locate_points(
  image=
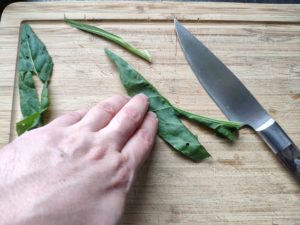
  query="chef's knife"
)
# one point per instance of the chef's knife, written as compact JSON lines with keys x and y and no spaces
{"x":234,"y":99}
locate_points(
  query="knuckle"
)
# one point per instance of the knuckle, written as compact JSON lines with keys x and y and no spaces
{"x":132,"y":114}
{"x":119,"y":160}
{"x":111,"y":138}
{"x":122,"y":178}
{"x":76,"y":138}
{"x":119,"y":135}
{"x":107,"y":108}
{"x":76,"y":116}
{"x":146,"y":136}
{"x":98,"y":152}
{"x":67,"y":142}
{"x":116,"y":161}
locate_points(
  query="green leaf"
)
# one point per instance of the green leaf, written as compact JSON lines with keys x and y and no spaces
{"x":29,"y":122}
{"x":45,"y":96}
{"x":33,"y":60}
{"x":170,"y":127}
{"x":29,"y":101}
{"x":33,"y":55}
{"x":112,"y":37}
{"x":225,"y":129}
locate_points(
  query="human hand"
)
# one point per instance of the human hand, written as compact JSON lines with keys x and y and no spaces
{"x":78,"y":168}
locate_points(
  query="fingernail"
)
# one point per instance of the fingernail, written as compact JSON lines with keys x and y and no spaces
{"x":143,"y":96}
{"x":152,"y":114}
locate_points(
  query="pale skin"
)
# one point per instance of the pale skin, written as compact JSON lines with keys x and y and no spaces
{"x":78,"y":169}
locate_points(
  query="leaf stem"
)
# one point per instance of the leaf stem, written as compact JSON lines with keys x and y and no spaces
{"x":222,"y":128}
{"x":110,"y":36}
{"x":205,"y":120}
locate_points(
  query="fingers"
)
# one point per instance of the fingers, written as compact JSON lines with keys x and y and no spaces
{"x":126,"y":121}
{"x":100,"y":115}
{"x":139,"y":146}
{"x":68,"y":119}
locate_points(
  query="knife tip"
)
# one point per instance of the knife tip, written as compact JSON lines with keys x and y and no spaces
{"x":176,"y":23}
{"x":175,"y":20}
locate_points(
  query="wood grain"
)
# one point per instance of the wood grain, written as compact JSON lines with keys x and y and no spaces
{"x":242,"y":183}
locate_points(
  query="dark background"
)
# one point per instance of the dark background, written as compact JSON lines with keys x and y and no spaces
{"x":4,"y":3}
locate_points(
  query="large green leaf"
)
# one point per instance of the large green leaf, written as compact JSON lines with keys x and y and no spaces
{"x":33,"y":60}
{"x":170,"y":128}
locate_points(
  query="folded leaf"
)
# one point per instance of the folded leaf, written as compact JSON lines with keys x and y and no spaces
{"x":29,"y":122}
{"x":170,"y":127}
{"x":112,"y":37}
{"x":225,"y":129}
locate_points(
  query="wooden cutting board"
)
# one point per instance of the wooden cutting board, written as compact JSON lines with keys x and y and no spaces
{"x":243,"y":183}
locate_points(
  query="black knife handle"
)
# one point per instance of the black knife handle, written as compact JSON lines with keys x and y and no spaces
{"x":283,"y":147}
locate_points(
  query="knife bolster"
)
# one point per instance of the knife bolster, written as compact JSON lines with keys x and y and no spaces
{"x":283,"y":147}
{"x":275,"y":137}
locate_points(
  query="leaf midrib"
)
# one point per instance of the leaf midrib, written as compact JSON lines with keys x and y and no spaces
{"x":31,"y":58}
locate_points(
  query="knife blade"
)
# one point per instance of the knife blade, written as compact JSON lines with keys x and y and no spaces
{"x":235,"y":100}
